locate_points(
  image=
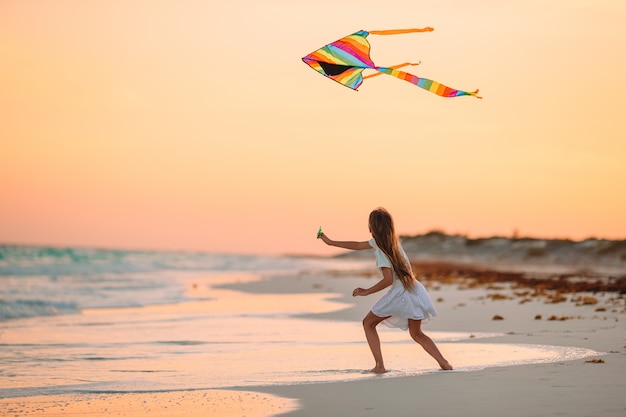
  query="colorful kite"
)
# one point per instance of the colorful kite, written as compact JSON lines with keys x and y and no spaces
{"x":344,"y":61}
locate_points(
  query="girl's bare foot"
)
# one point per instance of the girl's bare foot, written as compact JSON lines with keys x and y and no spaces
{"x":446,"y":366}
{"x":378,"y":370}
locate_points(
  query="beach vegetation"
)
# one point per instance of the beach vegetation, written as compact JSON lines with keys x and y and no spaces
{"x":535,"y":252}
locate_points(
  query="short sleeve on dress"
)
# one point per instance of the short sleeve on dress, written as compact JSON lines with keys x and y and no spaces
{"x":381,"y":259}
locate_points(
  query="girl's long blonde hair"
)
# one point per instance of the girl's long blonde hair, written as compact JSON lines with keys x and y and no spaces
{"x":383,"y":231}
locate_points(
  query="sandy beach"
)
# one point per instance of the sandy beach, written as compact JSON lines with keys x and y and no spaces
{"x":491,"y":303}
{"x":594,"y":386}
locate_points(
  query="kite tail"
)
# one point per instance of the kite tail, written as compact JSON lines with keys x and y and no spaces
{"x":426,"y":84}
{"x":399,"y":31}
{"x":392,"y":67}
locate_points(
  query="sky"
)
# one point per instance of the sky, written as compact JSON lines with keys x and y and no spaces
{"x":194,"y":125}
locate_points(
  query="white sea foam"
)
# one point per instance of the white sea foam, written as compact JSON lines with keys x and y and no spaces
{"x":41,"y":281}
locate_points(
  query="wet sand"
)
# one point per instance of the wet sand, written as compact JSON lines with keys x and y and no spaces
{"x":183,"y":403}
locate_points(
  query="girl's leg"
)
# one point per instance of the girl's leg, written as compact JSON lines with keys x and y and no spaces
{"x":369,"y":324}
{"x":415,"y":329}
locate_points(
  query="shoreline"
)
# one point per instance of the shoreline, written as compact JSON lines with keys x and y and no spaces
{"x":466,"y":303}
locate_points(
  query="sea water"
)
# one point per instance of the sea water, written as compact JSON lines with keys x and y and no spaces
{"x":90,"y":320}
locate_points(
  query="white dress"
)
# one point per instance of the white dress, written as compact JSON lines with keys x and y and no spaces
{"x":399,"y":304}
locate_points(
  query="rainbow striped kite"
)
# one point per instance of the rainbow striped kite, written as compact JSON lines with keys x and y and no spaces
{"x":344,"y":61}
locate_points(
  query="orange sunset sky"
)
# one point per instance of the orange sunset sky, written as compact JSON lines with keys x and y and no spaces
{"x":195,"y":125}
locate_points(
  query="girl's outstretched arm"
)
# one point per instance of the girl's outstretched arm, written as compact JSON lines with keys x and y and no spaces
{"x":345,"y":244}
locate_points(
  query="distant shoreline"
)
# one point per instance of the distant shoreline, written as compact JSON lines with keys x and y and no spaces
{"x":540,"y":257}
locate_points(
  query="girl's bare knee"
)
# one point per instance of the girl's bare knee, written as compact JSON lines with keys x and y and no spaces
{"x":418,"y":336}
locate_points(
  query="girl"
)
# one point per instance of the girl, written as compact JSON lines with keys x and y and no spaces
{"x":406,"y":304}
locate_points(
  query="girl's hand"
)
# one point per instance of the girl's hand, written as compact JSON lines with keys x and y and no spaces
{"x":359,"y":291}
{"x":325,"y":238}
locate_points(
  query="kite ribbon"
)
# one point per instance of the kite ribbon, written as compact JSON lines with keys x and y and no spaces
{"x":393,"y":67}
{"x":399,"y":31}
{"x":426,"y":84}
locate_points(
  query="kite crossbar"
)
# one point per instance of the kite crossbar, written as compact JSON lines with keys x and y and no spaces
{"x":400,"y":31}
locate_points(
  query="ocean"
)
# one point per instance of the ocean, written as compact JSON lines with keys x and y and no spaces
{"x":75,"y":320}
